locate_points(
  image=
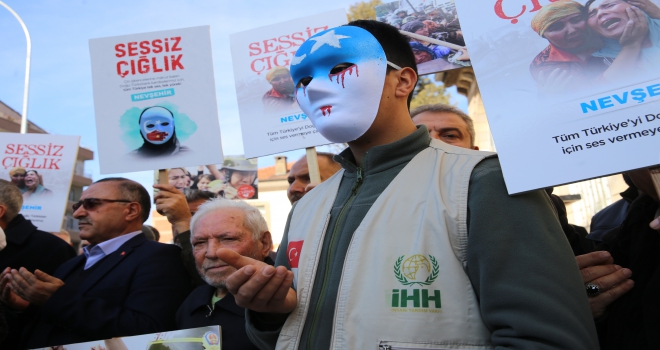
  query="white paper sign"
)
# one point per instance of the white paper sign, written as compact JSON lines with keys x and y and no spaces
{"x":155,"y":101}
{"x":41,"y":165}
{"x":208,"y":338}
{"x":564,"y":101}
{"x":271,"y":120}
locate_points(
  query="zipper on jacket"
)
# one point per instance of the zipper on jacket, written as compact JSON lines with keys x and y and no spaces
{"x":335,"y":232}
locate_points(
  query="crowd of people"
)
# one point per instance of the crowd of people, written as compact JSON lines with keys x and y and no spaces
{"x":437,"y":22}
{"x":502,"y":271}
{"x":235,"y":179}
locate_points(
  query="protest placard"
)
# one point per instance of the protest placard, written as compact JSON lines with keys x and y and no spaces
{"x":154,"y":100}
{"x":41,"y":165}
{"x":235,"y":178}
{"x":568,"y":96}
{"x":434,"y":31}
{"x":271,"y":120}
{"x":208,"y":338}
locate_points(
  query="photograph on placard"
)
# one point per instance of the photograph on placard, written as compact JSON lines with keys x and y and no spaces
{"x":436,"y":20}
{"x":271,"y":120}
{"x":154,"y":99}
{"x":41,"y":166}
{"x":576,"y":82}
{"x":207,"y":338}
{"x":235,"y":178}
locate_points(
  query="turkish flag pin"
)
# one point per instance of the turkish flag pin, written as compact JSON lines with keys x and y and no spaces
{"x":122,"y":253}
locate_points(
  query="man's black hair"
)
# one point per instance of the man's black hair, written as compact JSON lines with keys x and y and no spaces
{"x":132,"y":191}
{"x":396,"y":45}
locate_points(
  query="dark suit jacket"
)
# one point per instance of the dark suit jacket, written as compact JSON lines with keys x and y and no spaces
{"x":135,"y":290}
{"x":33,"y":249}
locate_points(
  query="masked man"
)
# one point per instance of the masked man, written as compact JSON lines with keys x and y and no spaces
{"x":415,"y":243}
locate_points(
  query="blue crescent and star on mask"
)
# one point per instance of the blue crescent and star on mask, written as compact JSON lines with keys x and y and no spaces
{"x":339,"y":76}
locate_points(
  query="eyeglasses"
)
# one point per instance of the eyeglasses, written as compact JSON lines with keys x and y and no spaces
{"x":91,"y":203}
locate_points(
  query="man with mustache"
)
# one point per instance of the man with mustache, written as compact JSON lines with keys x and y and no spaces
{"x":235,"y":225}
{"x":123,"y":285}
{"x":299,"y":181}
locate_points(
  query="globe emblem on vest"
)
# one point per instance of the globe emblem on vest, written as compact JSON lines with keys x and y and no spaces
{"x":417,"y":269}
{"x":416,"y":265}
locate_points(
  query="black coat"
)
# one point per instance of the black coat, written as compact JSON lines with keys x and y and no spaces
{"x":33,"y":249}
{"x":196,"y":312}
{"x":633,"y":320}
{"x":134,"y":290}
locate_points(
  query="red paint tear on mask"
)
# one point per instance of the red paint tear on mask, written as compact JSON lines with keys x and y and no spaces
{"x":327,"y":109}
{"x":342,"y":74}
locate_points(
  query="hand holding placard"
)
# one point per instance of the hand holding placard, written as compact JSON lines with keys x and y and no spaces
{"x":258,"y":286}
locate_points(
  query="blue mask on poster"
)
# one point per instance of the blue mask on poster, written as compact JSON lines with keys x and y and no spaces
{"x":157,"y":125}
{"x":339,"y":75}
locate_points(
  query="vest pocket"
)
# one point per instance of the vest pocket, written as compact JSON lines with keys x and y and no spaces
{"x":394,"y":345}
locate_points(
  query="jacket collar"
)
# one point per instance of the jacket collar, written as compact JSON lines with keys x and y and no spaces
{"x":384,"y":157}
{"x":106,"y":264}
{"x":201,"y":299}
{"x":19,"y":230}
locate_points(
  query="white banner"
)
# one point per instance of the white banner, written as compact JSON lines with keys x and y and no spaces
{"x":208,"y":338}
{"x":568,"y":96}
{"x":271,"y":120}
{"x":155,"y":101}
{"x":41,"y":165}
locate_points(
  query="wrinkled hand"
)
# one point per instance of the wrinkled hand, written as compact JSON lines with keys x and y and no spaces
{"x":599,"y":269}
{"x":36,"y":288}
{"x":7,"y":296}
{"x":636,"y":29}
{"x":557,"y":81}
{"x":258,"y":286}
{"x":171,"y":203}
{"x":647,"y":6}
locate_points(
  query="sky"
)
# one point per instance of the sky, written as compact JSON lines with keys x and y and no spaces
{"x":60,"y":99}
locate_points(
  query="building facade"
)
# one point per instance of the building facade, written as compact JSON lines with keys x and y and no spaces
{"x":10,"y":121}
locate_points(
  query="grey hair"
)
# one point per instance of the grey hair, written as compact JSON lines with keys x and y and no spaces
{"x":11,"y":198}
{"x":254,"y":221}
{"x":193,"y":195}
{"x":449,"y":109}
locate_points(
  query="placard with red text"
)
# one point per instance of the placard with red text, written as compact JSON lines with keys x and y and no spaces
{"x":271,"y":120}
{"x":41,"y":165}
{"x":155,"y":101}
{"x":571,"y":93}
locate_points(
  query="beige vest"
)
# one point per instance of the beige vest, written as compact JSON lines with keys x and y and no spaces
{"x":404,"y":284}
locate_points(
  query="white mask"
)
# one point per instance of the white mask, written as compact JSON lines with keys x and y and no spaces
{"x":340,"y":75}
